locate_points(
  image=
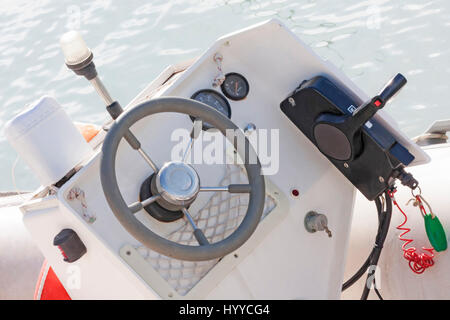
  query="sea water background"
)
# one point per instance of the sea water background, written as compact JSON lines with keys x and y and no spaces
{"x":134,"y":40}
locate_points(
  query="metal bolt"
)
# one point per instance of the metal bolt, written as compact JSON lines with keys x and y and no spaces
{"x":292,"y":101}
{"x":249,"y":129}
{"x":381,"y":179}
{"x":346,"y":165}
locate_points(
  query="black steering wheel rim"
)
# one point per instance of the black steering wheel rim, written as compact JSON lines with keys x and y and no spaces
{"x":136,"y":228}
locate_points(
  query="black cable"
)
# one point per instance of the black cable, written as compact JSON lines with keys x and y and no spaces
{"x":376,"y":290}
{"x":379,"y":242}
{"x":358,"y":273}
{"x":384,"y":220}
{"x":363,"y":269}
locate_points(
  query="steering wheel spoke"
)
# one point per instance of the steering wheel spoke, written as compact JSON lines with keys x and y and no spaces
{"x":148,"y":159}
{"x":195,"y":132}
{"x":232,"y":188}
{"x":136,"y":145}
{"x":198,"y":233}
{"x":188,"y":149}
{"x":137,"y":206}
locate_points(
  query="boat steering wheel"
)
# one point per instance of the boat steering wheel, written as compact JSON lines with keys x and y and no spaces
{"x":178,"y":184}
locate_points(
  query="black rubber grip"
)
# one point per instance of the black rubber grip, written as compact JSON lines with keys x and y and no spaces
{"x":392,"y":87}
{"x":239,"y":188}
{"x":114,"y":110}
{"x":200,"y":236}
{"x":132,"y":140}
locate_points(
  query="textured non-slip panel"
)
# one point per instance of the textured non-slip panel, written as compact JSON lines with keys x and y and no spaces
{"x":221,"y":215}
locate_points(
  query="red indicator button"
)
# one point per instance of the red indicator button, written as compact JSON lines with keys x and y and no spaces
{"x":377,"y":103}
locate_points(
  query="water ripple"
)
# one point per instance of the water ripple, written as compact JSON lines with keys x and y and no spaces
{"x":133,"y":41}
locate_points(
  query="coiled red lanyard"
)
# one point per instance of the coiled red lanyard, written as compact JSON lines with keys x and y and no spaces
{"x":418,"y":262}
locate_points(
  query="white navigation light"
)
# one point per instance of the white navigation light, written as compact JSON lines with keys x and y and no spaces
{"x":79,"y":59}
{"x":74,"y":48}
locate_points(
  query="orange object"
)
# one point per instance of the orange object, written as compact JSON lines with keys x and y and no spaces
{"x":89,"y":131}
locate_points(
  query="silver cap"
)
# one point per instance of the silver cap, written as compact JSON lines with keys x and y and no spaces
{"x":178,"y":183}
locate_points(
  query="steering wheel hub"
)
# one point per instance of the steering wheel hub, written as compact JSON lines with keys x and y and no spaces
{"x":178,"y":183}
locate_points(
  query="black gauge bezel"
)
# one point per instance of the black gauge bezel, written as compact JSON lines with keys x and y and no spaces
{"x":222,"y":86}
{"x":217,"y":93}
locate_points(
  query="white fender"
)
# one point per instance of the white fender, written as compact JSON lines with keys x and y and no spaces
{"x":20,"y":259}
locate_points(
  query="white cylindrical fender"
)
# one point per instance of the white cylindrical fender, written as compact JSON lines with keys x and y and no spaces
{"x":47,"y":140}
{"x":21,"y":259}
{"x":397,"y":280}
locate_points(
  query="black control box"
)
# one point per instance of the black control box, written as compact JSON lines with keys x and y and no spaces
{"x":372,"y":165}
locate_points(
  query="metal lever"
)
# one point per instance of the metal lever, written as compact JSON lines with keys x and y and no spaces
{"x":368,"y":109}
{"x":79,"y":58}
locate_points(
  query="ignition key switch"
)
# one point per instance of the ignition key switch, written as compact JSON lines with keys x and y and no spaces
{"x":316,"y":222}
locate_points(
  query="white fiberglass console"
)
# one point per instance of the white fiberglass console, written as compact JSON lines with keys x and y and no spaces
{"x":282,"y":259}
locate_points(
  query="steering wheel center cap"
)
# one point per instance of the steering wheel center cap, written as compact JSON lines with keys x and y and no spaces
{"x":178,"y":183}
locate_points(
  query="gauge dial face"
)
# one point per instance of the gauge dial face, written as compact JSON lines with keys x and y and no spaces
{"x":235,"y":86}
{"x":213,"y":99}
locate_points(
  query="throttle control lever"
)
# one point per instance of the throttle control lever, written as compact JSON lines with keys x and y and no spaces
{"x":339,"y":136}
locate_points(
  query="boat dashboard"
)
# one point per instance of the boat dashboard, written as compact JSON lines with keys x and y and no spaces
{"x":244,"y":76}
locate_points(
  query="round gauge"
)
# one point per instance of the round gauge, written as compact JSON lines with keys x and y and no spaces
{"x":213,"y":99}
{"x":235,"y":86}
